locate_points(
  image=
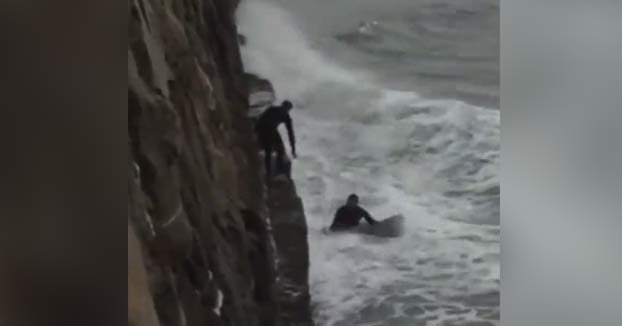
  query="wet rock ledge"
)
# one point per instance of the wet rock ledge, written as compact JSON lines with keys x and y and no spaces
{"x":200,"y":247}
{"x":290,"y":234}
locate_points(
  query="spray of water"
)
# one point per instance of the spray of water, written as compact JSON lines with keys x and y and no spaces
{"x":434,"y":161}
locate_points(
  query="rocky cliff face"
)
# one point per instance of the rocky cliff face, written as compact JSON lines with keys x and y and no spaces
{"x":200,"y":248}
{"x":290,"y":234}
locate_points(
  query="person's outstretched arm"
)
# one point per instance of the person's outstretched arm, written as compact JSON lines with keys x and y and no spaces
{"x":290,"y":133}
{"x":368,"y":217}
{"x":335,"y":219}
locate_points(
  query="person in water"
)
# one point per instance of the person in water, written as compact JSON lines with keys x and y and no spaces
{"x":350,"y":214}
{"x":269,"y":137}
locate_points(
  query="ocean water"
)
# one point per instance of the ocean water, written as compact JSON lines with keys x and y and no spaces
{"x":396,"y":101}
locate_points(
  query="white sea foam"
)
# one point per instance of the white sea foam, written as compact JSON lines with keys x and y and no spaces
{"x":434,"y":161}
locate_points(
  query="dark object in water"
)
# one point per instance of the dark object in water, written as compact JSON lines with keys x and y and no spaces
{"x":391,"y":227}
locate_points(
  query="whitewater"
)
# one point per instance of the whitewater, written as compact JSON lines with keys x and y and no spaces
{"x":434,"y":160}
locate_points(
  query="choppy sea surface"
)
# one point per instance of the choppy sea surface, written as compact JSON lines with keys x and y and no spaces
{"x":398,"y":102}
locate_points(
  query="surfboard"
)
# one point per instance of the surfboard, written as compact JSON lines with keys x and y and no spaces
{"x":390,"y":227}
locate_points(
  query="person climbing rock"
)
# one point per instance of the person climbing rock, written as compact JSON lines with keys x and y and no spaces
{"x":350,"y":214}
{"x":268,"y":135}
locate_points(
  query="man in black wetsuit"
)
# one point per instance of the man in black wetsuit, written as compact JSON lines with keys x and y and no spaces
{"x":268,"y":134}
{"x":350,"y":214}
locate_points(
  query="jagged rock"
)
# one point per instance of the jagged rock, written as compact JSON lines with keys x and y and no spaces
{"x":261,"y":94}
{"x":196,"y":196}
{"x":200,"y":249}
{"x":256,"y":84}
{"x":242,"y":39}
{"x":290,"y":234}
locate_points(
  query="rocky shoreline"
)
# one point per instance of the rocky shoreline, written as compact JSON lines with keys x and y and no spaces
{"x":208,"y":242}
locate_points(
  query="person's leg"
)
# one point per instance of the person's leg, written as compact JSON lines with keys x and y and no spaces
{"x":263,"y":137}
{"x":268,"y":158}
{"x":280,"y":152}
